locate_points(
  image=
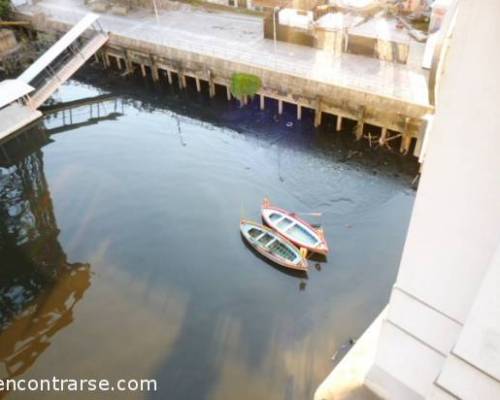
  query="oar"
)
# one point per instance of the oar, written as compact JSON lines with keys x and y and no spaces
{"x":314,"y":214}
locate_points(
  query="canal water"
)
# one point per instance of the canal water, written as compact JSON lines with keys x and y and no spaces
{"x":121,"y":255}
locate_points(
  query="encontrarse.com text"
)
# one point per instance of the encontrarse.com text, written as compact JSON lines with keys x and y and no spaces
{"x":55,"y":384}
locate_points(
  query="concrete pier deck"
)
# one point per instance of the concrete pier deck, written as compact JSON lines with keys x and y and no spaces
{"x":240,"y":38}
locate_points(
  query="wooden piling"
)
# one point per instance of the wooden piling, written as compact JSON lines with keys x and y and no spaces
{"x":383,"y":137}
{"x":182,"y":79}
{"x":143,"y":70}
{"x":262,"y":102}
{"x":198,"y":84}
{"x":107,"y":62}
{"x":299,"y":112}
{"x":128,"y":62}
{"x":154,"y":70}
{"x":317,"y":113}
{"x":405,"y":143}
{"x":360,"y":124}
{"x":280,"y":107}
{"x":169,"y":76}
{"x":338,"y":126}
{"x":406,"y":138}
{"x":228,"y":93}
{"x":211,"y":84}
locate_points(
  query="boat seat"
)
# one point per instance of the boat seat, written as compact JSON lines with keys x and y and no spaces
{"x":279,"y":219}
{"x":257,"y":238}
{"x":290,"y":227}
{"x":271,"y":242}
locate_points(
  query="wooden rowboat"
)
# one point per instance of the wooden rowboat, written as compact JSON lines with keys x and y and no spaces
{"x":295,"y":229}
{"x":272,"y":245}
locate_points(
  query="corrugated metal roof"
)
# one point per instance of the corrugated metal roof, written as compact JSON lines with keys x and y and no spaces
{"x":51,"y":54}
{"x":13,"y":89}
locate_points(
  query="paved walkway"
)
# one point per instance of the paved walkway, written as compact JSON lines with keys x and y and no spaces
{"x":240,"y":38}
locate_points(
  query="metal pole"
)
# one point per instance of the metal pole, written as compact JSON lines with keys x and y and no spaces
{"x":156,"y":12}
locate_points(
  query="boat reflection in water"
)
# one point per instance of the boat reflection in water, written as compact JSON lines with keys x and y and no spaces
{"x":38,"y":286}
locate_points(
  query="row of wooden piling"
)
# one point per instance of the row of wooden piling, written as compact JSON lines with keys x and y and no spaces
{"x":123,"y":61}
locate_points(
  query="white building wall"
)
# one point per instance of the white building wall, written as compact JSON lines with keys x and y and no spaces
{"x":431,"y":344}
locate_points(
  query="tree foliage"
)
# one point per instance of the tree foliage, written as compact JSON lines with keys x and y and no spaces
{"x":4,"y":8}
{"x":245,"y":85}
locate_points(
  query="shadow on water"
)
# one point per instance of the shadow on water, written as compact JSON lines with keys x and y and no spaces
{"x":38,"y":286}
{"x":267,"y":125}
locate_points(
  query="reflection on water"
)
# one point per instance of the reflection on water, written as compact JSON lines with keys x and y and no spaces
{"x":148,"y":187}
{"x":39,"y":287}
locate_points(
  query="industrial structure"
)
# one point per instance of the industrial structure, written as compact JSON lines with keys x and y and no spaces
{"x":21,"y":98}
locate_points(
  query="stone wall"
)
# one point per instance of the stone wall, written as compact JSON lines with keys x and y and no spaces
{"x":8,"y":41}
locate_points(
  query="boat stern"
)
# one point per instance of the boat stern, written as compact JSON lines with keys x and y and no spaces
{"x":322,"y":248}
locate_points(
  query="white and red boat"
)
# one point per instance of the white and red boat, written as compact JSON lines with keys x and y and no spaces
{"x":295,"y":229}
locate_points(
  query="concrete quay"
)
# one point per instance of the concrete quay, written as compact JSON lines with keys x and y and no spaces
{"x":388,"y":99}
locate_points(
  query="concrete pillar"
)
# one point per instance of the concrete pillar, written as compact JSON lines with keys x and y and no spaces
{"x":228,"y":93}
{"x":198,"y":84}
{"x":143,"y":70}
{"x":359,"y":129}
{"x":405,"y":138}
{"x":182,"y":80}
{"x":339,"y":123}
{"x":154,"y":69}
{"x":383,"y":136}
{"x":128,"y":63}
{"x":361,"y":123}
{"x":107,"y":62}
{"x":154,"y":72}
{"x":211,"y":84}
{"x":405,"y":143}
{"x":317,"y":118}
{"x":317,"y":113}
{"x":169,"y":76}
{"x":280,"y":107}
{"x":262,"y":101}
{"x":299,"y":112}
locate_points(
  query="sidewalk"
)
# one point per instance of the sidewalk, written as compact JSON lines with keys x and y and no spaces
{"x":240,"y":38}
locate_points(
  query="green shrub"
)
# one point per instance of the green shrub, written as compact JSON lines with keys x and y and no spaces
{"x":245,"y":85}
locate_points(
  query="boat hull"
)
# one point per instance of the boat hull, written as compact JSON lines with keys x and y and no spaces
{"x":293,"y":228}
{"x":275,"y":241}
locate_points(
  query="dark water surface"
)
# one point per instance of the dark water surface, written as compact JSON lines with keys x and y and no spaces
{"x":121,"y":255}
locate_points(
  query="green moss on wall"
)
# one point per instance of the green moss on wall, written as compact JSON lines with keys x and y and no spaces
{"x":245,"y":85}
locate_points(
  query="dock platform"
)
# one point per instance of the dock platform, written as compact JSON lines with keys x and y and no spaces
{"x":14,"y":117}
